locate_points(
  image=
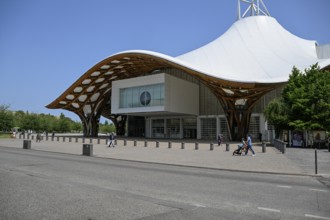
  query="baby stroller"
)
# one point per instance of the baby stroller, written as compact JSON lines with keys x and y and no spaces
{"x":241,"y":149}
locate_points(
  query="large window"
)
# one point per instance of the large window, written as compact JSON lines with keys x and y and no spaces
{"x":142,"y":96}
{"x":189,"y":128}
{"x":208,"y":128}
{"x":173,"y":128}
{"x":224,"y":129}
{"x":157,"y":127}
{"x":254,"y":129}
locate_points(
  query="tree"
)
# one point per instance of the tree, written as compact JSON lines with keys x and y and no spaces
{"x":307,"y":97}
{"x":276,"y":113}
{"x":6,"y":118}
{"x":63,"y":124}
{"x":305,"y":102}
{"x":30,"y":122}
{"x":107,"y":128}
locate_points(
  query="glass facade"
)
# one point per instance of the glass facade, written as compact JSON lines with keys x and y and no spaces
{"x":157,"y":127}
{"x":173,"y":128}
{"x":208,"y":128}
{"x":224,"y":129}
{"x":142,"y":96}
{"x":189,"y":128}
{"x":254,"y":128}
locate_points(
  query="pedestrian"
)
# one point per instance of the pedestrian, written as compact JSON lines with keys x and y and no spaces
{"x":249,"y":146}
{"x":220,"y":137}
{"x":38,"y":139}
{"x":111,"y":140}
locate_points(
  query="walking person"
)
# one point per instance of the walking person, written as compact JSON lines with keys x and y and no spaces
{"x":220,"y":137}
{"x":111,"y":140}
{"x":38,"y":139}
{"x":249,"y":146}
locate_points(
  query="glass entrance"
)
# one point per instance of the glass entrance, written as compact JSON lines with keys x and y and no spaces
{"x":136,"y":126}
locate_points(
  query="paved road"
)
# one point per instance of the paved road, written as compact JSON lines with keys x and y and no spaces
{"x":45,"y":185}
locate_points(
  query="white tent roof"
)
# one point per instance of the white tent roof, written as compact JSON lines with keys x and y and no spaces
{"x":255,"y":48}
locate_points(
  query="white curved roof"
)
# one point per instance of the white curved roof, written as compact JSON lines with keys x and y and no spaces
{"x":254,"y":49}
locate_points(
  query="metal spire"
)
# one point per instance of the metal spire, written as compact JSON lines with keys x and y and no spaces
{"x":255,"y":8}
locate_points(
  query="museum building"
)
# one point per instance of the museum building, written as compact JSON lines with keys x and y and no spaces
{"x":221,"y":87}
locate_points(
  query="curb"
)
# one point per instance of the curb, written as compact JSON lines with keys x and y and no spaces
{"x":182,"y":165}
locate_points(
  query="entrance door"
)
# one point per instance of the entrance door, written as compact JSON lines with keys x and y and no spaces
{"x":136,"y":126}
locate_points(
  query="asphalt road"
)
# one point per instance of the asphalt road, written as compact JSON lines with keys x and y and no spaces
{"x":45,"y":185}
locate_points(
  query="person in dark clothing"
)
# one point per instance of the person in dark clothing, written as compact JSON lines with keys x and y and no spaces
{"x":220,"y":138}
{"x":111,"y":140}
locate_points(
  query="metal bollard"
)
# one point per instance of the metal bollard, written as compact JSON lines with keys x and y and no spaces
{"x":169,"y":144}
{"x":26,"y":144}
{"x":88,"y":149}
{"x":145,"y":143}
{"x":98,"y":141}
{"x":76,"y":140}
{"x":182,"y":145}
{"x":134,"y":143}
{"x":196,"y":146}
{"x":211,"y":146}
{"x":83,"y":140}
{"x":58,"y":139}
{"x":125,"y":142}
{"x":91,"y":140}
{"x":263,"y":147}
{"x":157,"y":144}
{"x":227,"y":147}
{"x":315,"y":161}
{"x":63,"y":139}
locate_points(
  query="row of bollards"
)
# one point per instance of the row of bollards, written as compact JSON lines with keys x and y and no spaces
{"x":135,"y":142}
{"x":88,"y":148}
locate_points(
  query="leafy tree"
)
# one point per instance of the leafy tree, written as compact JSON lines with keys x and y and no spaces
{"x":276,"y":113}
{"x":30,"y":122}
{"x":63,"y":124}
{"x":307,"y":96}
{"x":107,"y":128}
{"x":76,"y":126}
{"x":305,"y":102}
{"x":6,"y":118}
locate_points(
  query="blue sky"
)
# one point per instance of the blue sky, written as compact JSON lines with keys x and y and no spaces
{"x":46,"y":45}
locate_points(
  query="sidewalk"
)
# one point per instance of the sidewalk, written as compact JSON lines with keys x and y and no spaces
{"x":270,"y":162}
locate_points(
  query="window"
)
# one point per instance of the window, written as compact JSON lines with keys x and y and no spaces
{"x":208,"y":128}
{"x":142,"y":96}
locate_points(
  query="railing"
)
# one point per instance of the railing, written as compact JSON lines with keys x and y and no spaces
{"x":280,"y":145}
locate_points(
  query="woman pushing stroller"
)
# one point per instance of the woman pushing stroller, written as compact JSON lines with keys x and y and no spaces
{"x":241,"y":148}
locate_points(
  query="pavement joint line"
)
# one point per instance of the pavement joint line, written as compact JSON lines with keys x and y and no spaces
{"x":287,"y":187}
{"x":269,"y":209}
{"x":317,"y":217}
{"x":318,"y":190}
{"x":213,"y":168}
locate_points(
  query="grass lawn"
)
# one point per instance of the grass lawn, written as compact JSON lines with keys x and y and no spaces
{"x":5,"y":135}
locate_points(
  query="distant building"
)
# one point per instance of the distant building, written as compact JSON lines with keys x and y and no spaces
{"x":221,"y":87}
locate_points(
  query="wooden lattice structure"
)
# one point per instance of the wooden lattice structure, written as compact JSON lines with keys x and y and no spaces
{"x":90,"y":96}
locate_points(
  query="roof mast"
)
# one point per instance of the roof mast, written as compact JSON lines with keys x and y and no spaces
{"x":253,"y":9}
